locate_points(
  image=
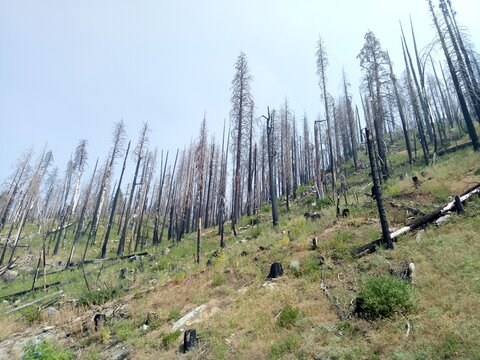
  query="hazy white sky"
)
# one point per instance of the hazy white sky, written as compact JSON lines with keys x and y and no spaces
{"x":69,"y":70}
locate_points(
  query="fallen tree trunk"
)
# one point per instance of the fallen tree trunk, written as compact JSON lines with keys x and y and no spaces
{"x":424,"y":220}
{"x":58,"y":229}
{"x":342,"y":315}
{"x":9,"y":266}
{"x":21,"y":293}
{"x":34,"y":302}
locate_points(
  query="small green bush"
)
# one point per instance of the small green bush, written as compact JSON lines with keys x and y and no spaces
{"x":169,"y":339}
{"x":383,"y":296}
{"x":45,"y":350}
{"x":31,"y":314}
{"x":309,"y":265}
{"x":254,"y":232}
{"x":98,"y":297}
{"x":289,"y":345}
{"x":218,"y":279}
{"x":288,"y":316}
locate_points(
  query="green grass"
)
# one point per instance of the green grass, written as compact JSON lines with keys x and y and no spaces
{"x":445,"y":289}
{"x":45,"y":350}
{"x":169,"y":339}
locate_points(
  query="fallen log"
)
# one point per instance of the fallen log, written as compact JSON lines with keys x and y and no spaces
{"x":424,"y":220}
{"x":21,"y":293}
{"x":34,"y":302}
{"x":342,"y":315}
{"x":10,"y":265}
{"x":58,"y":229}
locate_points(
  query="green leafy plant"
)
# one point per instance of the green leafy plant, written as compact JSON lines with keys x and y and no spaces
{"x":31,"y":314}
{"x":45,"y":350}
{"x":289,"y":345}
{"x":288,"y":316}
{"x":98,"y":297}
{"x":383,"y":296}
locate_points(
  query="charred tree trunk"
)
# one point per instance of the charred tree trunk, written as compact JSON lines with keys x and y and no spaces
{"x":378,"y":193}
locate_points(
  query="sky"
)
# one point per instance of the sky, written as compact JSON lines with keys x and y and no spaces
{"x":70,"y":69}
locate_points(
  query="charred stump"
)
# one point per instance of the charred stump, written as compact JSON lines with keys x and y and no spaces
{"x":276,"y":270}
{"x":189,"y":340}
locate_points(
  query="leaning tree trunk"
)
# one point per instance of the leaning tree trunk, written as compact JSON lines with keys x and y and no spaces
{"x":114,"y":206}
{"x":387,"y":240}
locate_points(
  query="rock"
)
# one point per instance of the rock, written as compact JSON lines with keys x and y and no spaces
{"x":145,"y":327}
{"x":420,"y":235}
{"x":134,"y":258}
{"x":294,"y":265}
{"x":50,"y":311}
{"x":227,"y":270}
{"x":243,"y":241}
{"x":118,"y":354}
{"x":166,"y":251}
{"x":270,"y":285}
{"x":442,"y":220}
{"x":10,"y":276}
{"x":190,"y":316}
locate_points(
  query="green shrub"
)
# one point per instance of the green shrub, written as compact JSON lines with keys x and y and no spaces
{"x":218,"y":279}
{"x":254,"y":232}
{"x":288,"y":316}
{"x":383,"y":296}
{"x":45,"y":350}
{"x":309,"y":265}
{"x":169,"y":339}
{"x":31,"y":314}
{"x":98,"y":297}
{"x":285,"y":346}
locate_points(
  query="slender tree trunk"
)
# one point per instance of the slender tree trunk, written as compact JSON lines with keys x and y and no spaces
{"x":378,"y":193}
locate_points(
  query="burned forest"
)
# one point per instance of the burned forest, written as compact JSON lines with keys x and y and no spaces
{"x":350,"y":233}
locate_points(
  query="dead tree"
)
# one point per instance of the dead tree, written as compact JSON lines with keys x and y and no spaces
{"x":322,"y":63}
{"x":200,"y":164}
{"x":372,"y":61}
{"x":242,"y":105}
{"x":393,"y":78}
{"x":163,"y":169}
{"x":118,"y":143}
{"x":376,"y":191}
{"x":114,"y":207}
{"x":461,"y":98}
{"x":81,"y":219}
{"x":273,"y":196}
{"x":139,"y":154}
{"x":79,"y":163}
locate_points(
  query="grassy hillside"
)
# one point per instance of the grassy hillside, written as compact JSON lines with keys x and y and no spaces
{"x":248,"y":317}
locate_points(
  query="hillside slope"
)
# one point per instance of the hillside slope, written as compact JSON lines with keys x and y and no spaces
{"x":245,"y":316}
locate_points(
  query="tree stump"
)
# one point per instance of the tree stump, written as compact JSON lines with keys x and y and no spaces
{"x":314,"y":243}
{"x":276,"y":270}
{"x":189,"y":340}
{"x":99,"y":320}
{"x":458,"y":205}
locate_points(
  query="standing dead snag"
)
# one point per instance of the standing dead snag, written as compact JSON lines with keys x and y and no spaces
{"x":387,"y":240}
{"x":273,"y":195}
